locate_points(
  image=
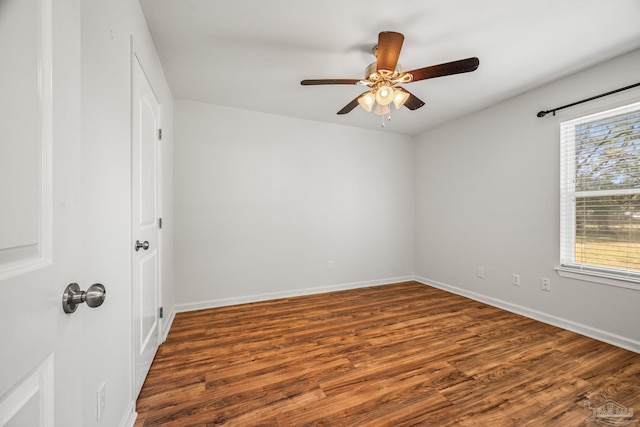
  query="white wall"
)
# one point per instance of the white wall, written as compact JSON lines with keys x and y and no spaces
{"x":263,"y":203}
{"x":107,"y":27}
{"x":487,"y":194}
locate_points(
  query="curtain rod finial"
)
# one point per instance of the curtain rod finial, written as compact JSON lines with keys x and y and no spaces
{"x":542,"y":113}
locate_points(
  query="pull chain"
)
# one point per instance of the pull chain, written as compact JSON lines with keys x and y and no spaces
{"x":382,"y":124}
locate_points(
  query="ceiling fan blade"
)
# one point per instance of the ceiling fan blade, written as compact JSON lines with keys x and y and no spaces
{"x":446,"y":69}
{"x":388,"y":52}
{"x":350,"y":106}
{"x":329,"y":82}
{"x":413,"y":102}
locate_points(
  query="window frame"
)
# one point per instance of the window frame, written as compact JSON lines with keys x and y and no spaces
{"x":568,"y":266}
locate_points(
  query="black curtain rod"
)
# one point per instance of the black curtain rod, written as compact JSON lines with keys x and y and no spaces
{"x":544,"y":113}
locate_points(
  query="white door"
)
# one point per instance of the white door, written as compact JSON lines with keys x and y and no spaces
{"x":146,"y":236}
{"x":39,"y":213}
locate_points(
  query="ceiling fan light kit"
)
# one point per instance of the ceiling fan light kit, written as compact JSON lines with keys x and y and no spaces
{"x":385,"y":76}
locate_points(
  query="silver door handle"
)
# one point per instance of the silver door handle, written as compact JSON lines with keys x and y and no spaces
{"x":73,"y":296}
{"x":144,"y":245}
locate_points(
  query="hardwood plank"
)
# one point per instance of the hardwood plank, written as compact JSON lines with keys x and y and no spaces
{"x":395,"y":355}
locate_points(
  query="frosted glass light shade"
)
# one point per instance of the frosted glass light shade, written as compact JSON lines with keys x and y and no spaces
{"x":366,"y":101}
{"x":385,"y":95}
{"x":399,"y":98}
{"x":381,"y":110}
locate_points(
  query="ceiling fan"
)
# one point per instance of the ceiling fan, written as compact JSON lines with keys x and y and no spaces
{"x":385,"y":77}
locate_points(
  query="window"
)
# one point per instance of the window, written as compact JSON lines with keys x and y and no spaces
{"x":600,"y":194}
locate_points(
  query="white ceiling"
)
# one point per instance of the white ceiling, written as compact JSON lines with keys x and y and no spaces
{"x":252,"y":54}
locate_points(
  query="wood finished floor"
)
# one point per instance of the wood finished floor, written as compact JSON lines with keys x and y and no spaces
{"x":396,"y":355}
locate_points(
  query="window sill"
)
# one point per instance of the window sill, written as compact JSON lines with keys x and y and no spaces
{"x":602,"y":278}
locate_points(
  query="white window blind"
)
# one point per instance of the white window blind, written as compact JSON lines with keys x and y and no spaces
{"x":600,"y":193}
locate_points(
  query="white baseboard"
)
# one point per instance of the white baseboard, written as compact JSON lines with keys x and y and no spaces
{"x":166,"y":325}
{"x":223,"y":302}
{"x":579,"y":328}
{"x":130,"y":415}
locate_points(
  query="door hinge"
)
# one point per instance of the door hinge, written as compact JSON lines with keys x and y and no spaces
{"x":160,"y":134}
{"x":159,"y":222}
{"x":161,"y":312}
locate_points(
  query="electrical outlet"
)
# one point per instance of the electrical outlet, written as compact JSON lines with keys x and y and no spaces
{"x":545,"y":284}
{"x":101,"y":400}
{"x":329,"y":265}
{"x":515,"y":279}
{"x":480,"y":272}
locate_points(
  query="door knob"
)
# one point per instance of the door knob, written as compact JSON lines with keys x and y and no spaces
{"x":73,"y":296}
{"x":144,"y":245}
